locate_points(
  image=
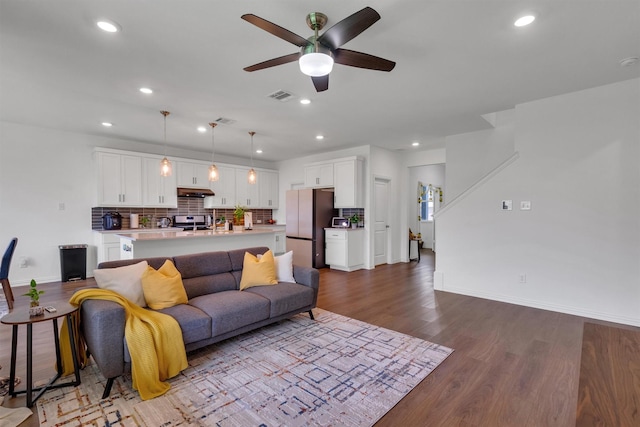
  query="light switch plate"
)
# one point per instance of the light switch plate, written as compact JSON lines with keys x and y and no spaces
{"x":507,"y":205}
{"x":525,"y":205}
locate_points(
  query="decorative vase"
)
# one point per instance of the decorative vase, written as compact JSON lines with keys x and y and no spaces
{"x":354,"y":225}
{"x":35,"y":309}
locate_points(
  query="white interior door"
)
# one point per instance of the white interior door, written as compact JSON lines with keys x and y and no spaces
{"x":381,"y":221}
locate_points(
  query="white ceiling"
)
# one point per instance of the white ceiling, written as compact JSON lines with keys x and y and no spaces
{"x":456,"y":60}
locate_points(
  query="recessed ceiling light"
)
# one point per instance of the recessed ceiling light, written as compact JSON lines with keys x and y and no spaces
{"x":202,"y":129}
{"x":627,"y":62}
{"x":415,"y":144}
{"x":146,"y":90}
{"x":107,"y":124}
{"x":305,"y":101}
{"x":524,"y":20}
{"x":319,"y":137}
{"x":259,"y":151}
{"x":108,"y":26}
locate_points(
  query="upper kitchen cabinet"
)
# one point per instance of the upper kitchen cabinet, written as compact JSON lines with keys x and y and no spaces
{"x":318,"y":175}
{"x":224,"y":189}
{"x":349,"y":183}
{"x":158,"y":191}
{"x":192,"y":174}
{"x":246,"y":194}
{"x":269,"y":191}
{"x":119,"y":179}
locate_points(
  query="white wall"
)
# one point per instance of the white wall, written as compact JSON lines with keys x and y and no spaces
{"x":41,"y":168}
{"x":478,"y":153}
{"x":579,"y":245}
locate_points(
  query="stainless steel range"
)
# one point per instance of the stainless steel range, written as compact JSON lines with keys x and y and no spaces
{"x":191,"y":222}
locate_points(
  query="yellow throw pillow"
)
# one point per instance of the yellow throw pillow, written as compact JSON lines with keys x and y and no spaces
{"x":258,"y":272}
{"x":163,"y":288}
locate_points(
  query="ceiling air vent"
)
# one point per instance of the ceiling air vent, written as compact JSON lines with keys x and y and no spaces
{"x":225,"y":121}
{"x":281,"y":95}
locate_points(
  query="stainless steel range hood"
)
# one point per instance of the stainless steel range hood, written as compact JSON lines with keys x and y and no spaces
{"x":194,"y":192}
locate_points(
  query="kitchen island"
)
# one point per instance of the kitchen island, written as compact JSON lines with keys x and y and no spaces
{"x":171,"y":243}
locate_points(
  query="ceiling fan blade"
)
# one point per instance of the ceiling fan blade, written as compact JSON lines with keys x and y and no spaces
{"x":276,"y":30}
{"x":321,"y":83}
{"x":273,"y":62}
{"x":362,"y":60}
{"x":348,"y":28}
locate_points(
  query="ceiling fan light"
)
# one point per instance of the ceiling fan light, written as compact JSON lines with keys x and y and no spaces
{"x":316,"y":64}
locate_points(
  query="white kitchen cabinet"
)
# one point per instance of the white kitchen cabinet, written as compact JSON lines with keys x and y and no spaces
{"x":157,"y":191}
{"x":280,"y":245}
{"x":318,"y":175}
{"x":192,"y":174}
{"x":119,"y":179}
{"x":108,"y":245}
{"x":247,"y":195}
{"x":344,"y":248}
{"x":269,"y":191}
{"x":349,"y":185}
{"x":224,"y":189}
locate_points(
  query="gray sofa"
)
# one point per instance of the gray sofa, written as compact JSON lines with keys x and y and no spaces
{"x":216,"y":310}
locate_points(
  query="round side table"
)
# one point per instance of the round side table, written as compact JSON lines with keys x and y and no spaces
{"x":20,"y":316}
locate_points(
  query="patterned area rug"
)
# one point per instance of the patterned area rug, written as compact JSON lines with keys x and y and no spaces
{"x":299,"y":372}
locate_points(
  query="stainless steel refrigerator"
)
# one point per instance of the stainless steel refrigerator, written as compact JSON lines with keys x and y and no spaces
{"x":309,"y":211}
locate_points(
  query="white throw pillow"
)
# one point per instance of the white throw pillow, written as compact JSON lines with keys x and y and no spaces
{"x":284,"y":267}
{"x":127,"y":281}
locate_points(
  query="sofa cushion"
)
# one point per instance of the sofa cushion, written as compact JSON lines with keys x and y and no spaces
{"x":236,"y":256}
{"x":258,"y":272}
{"x":284,"y":267}
{"x":195,"y":324}
{"x":230,"y":310}
{"x":124,"y":280}
{"x":204,"y":285}
{"x":202,"y":264}
{"x":155,"y":262}
{"x":285,"y":297}
{"x":163,"y":287}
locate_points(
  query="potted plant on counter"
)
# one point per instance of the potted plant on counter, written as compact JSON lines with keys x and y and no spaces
{"x":34,"y":294}
{"x":354,"y":220}
{"x":238,"y":215}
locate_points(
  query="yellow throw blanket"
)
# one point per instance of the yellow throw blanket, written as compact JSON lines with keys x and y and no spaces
{"x":154,"y":340}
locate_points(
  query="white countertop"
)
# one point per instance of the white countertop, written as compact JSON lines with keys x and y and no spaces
{"x":344,"y":228}
{"x":160,"y":234}
{"x":139,"y":230}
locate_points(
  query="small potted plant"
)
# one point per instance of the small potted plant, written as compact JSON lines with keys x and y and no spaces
{"x":238,"y":215}
{"x":34,"y":294}
{"x":354,"y":220}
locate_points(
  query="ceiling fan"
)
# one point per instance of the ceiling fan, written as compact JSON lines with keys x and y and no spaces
{"x":318,"y":53}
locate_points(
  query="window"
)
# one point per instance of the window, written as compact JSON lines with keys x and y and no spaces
{"x":426,"y":203}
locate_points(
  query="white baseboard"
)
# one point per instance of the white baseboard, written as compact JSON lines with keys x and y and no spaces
{"x":576,"y":311}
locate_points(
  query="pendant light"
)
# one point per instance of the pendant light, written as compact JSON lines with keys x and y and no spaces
{"x":251,"y":177}
{"x":213,"y":169}
{"x":165,"y":164}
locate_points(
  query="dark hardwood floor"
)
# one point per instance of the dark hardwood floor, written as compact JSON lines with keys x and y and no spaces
{"x":512,"y":365}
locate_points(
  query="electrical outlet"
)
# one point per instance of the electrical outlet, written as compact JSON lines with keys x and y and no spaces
{"x":23,"y":262}
{"x":61,"y":206}
{"x":525,"y":205}
{"x":522,"y":278}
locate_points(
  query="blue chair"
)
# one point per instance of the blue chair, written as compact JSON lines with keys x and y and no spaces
{"x":4,"y":272}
